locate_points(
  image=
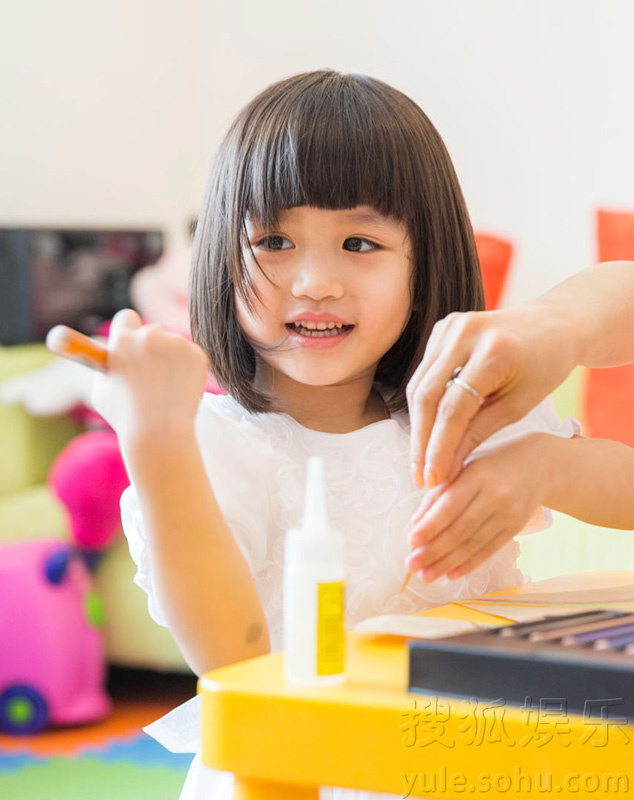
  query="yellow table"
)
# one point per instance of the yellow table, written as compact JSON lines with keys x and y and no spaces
{"x":370,"y":733}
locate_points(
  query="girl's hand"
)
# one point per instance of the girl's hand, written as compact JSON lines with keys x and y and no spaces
{"x":460,"y":525}
{"x":513,"y":359}
{"x":154,"y":382}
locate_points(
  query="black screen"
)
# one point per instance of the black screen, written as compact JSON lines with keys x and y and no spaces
{"x":71,"y":277}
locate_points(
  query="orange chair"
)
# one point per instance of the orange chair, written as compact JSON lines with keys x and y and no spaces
{"x":495,"y":256}
{"x":608,"y":396}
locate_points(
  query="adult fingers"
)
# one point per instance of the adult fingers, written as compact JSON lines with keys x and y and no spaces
{"x":439,"y":414}
{"x":423,"y":411}
{"x":494,"y":415}
{"x":424,"y":391}
{"x":429,"y":384}
{"x":493,"y":360}
{"x":456,"y":412}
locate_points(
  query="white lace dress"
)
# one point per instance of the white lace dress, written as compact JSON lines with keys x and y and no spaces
{"x":256,"y":465}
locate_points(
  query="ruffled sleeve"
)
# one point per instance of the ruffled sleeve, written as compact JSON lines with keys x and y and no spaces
{"x":137,"y":543}
{"x":235,"y":455}
{"x":541,"y":419}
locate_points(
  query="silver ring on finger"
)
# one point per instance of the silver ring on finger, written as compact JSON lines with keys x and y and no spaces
{"x":464,"y":385}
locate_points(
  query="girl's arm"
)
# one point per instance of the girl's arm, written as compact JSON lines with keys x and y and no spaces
{"x":202,"y":581}
{"x":460,"y":525}
{"x":204,"y":586}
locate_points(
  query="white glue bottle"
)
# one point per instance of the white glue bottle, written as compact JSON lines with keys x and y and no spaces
{"x":314,"y":575}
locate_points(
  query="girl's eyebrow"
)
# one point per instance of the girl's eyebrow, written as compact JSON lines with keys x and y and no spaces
{"x":372,"y":217}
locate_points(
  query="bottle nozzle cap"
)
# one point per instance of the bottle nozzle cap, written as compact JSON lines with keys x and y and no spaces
{"x":315,"y":516}
{"x":315,"y":542}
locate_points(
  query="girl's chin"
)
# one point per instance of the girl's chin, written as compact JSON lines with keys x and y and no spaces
{"x":321,"y":377}
{"x":317,"y":381}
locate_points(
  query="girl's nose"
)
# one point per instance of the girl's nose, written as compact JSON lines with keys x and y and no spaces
{"x":317,"y":279}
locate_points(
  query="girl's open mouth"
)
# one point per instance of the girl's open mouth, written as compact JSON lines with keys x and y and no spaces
{"x":311,"y":335}
{"x":318,"y":330}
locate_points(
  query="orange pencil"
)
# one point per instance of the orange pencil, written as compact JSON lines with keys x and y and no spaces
{"x":65,"y":341}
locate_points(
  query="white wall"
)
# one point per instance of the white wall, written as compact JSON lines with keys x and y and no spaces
{"x":110,"y":113}
{"x":98,"y":113}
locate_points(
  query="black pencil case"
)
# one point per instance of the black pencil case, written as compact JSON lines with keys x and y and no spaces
{"x":486,"y":665}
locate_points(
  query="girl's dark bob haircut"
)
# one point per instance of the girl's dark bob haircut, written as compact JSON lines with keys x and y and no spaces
{"x":333,"y":141}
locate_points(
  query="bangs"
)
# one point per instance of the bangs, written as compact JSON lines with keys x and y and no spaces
{"x":331,"y":141}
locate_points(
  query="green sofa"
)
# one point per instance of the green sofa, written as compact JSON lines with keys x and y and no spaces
{"x":28,"y":446}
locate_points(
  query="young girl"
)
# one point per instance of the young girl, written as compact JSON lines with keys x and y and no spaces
{"x":333,"y":236}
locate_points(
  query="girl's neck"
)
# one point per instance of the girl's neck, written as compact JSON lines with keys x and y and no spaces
{"x":340,"y":408}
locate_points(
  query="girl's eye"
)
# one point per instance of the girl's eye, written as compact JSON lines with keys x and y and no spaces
{"x":358,"y":245}
{"x":275,"y":243}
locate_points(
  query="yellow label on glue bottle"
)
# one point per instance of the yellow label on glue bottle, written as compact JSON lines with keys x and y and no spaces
{"x":330,"y":628}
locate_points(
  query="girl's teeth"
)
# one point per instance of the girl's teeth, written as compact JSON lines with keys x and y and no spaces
{"x":317,"y":326}
{"x":324,"y":329}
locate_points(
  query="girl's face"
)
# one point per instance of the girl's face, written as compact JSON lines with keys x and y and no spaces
{"x":345,"y":275}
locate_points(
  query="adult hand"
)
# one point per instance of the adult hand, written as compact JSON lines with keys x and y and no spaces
{"x":512,"y":358}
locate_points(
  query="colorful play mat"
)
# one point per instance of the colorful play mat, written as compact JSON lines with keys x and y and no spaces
{"x":111,"y":759}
